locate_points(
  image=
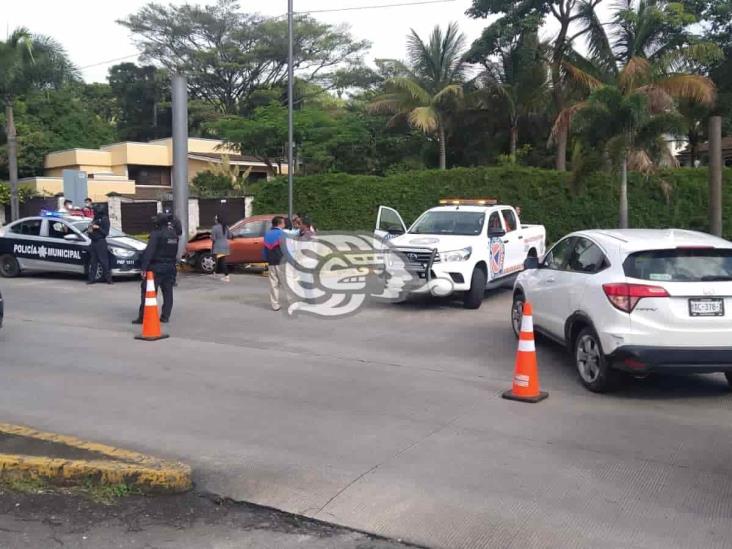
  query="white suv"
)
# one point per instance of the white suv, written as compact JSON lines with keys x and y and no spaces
{"x":634,"y":300}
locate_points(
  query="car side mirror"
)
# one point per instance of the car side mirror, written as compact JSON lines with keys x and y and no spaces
{"x":531,"y":263}
{"x":496,"y":232}
{"x":73,"y":237}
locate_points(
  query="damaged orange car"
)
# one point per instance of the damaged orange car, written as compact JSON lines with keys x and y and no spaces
{"x":246,"y":244}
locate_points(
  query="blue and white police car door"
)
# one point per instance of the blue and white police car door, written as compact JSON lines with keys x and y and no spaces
{"x":22,"y":241}
{"x":66,"y":249}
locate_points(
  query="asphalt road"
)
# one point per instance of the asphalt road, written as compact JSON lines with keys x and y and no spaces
{"x":389,"y":421}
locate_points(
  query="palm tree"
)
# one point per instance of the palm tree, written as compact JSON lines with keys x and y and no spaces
{"x":428,"y":86}
{"x":516,"y":81}
{"x":635,"y":76}
{"x":27,"y":62}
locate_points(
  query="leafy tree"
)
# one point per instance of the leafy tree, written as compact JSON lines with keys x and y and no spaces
{"x":514,"y":80}
{"x":515,"y":16}
{"x":636,"y":77}
{"x":142,"y":95}
{"x":228,"y":55}
{"x":27,"y":62}
{"x":100,"y":100}
{"x":429,"y":85}
{"x":262,"y":136}
{"x":55,"y":120}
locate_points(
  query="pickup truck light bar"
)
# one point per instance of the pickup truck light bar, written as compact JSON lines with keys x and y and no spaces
{"x":468,"y":201}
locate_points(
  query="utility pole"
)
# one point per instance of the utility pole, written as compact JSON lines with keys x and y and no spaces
{"x":715,"y":175}
{"x":180,"y":156}
{"x":12,"y":161}
{"x":290,"y":103}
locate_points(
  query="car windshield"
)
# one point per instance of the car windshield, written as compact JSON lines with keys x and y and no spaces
{"x":449,"y":222}
{"x":681,"y":265}
{"x":81,"y":226}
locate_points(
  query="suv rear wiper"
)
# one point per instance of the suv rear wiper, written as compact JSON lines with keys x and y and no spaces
{"x":716,"y":278}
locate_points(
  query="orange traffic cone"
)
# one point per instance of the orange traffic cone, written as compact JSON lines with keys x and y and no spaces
{"x":151,"y":321}
{"x":526,"y":379}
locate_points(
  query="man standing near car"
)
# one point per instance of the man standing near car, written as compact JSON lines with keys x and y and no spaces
{"x":273,"y":256}
{"x":98,"y":231}
{"x":176,"y":224}
{"x":160,"y":257}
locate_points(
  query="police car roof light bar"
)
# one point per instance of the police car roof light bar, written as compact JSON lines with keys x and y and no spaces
{"x":468,"y":201}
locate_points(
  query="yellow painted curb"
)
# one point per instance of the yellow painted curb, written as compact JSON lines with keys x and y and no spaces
{"x":134,"y":469}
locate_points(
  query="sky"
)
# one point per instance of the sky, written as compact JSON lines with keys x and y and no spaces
{"x":94,"y":41}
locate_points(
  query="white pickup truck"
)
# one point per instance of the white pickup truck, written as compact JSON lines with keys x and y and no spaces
{"x":463,"y":246}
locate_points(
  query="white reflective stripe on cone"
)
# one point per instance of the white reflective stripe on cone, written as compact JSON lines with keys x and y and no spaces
{"x":150,"y":286}
{"x":151,"y":302}
{"x":526,"y":345}
{"x":527,"y":323}
{"x":521,"y":380}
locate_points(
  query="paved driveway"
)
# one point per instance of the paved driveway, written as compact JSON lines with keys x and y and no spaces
{"x":390,"y":421}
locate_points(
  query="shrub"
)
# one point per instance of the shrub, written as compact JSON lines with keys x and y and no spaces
{"x":24,"y":193}
{"x":675,"y":198}
{"x":208,"y":184}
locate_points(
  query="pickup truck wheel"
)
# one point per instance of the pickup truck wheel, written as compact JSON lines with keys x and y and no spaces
{"x":474,"y":297}
{"x":207,"y":263}
{"x":728,"y":375}
{"x":594,"y":371}
{"x":517,"y":312}
{"x":9,"y":267}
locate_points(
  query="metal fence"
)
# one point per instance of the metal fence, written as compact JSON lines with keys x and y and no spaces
{"x":137,"y":216}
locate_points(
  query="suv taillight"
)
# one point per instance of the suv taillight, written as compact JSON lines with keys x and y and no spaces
{"x":626,"y":296}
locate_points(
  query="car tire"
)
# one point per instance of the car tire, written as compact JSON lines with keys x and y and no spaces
{"x":206,"y":263}
{"x":517,"y":311}
{"x":473,"y":298}
{"x":592,"y":366}
{"x":9,"y":266}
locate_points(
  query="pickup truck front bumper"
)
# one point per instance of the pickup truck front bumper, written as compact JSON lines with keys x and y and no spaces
{"x":430,"y":275}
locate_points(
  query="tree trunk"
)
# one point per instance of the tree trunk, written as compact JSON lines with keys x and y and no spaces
{"x":558,"y":85}
{"x":624,"y":193}
{"x":12,"y":159}
{"x":561,"y":159}
{"x":715,"y":175}
{"x":514,"y":141}
{"x":443,"y":147}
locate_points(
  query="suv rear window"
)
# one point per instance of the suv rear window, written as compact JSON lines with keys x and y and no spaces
{"x":680,"y":265}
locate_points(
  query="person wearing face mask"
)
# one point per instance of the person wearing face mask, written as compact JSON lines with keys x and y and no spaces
{"x":88,"y":209}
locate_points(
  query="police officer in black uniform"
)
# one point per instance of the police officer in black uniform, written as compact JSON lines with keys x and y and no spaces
{"x":98,"y":230}
{"x":160,"y":257}
{"x":172,"y":219}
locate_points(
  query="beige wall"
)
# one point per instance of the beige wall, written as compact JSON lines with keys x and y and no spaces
{"x":144,"y":154}
{"x":78,"y":157}
{"x":97,"y":189}
{"x":116,"y":157}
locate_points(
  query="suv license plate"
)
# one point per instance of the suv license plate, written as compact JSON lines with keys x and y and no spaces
{"x":713,"y":306}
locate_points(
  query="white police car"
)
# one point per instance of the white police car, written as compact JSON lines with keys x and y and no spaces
{"x":58,"y":243}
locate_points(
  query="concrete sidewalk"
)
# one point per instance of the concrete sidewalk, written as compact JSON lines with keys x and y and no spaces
{"x":389,"y":422}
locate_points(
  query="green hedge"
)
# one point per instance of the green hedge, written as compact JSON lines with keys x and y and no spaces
{"x":676,"y":198}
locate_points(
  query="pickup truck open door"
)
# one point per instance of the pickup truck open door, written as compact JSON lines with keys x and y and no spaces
{"x":389,"y":224}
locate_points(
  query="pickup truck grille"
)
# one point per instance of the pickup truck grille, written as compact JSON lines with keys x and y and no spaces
{"x":419,"y":257}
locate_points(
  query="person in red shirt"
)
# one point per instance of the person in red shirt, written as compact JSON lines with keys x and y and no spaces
{"x":88,"y":209}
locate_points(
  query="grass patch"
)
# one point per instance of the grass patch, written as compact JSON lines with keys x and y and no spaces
{"x":104,"y":494}
{"x":25,"y":485}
